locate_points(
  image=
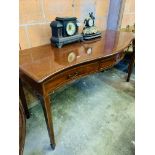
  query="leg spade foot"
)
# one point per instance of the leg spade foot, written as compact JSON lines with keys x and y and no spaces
{"x":53,"y":146}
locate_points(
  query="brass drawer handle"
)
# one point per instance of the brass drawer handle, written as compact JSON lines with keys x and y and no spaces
{"x":71,"y":76}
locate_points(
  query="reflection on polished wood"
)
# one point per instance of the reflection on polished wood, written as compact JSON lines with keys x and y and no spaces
{"x":44,"y":61}
{"x":46,"y":68}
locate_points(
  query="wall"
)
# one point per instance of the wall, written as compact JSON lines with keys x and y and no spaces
{"x":114,"y":14}
{"x":128,"y":17}
{"x":36,"y":15}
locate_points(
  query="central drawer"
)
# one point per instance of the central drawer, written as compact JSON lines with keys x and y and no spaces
{"x":69,"y":75}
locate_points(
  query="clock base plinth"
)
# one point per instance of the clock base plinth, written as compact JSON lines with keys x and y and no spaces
{"x":91,"y":36}
{"x":59,"y":42}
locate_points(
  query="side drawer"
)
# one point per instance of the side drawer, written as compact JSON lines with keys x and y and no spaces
{"x":110,"y":61}
{"x":107,"y":62}
{"x":70,"y":75}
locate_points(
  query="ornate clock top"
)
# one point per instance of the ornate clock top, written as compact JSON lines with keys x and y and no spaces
{"x":89,"y":21}
{"x":90,"y":31}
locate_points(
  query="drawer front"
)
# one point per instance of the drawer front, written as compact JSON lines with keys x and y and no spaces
{"x":109,"y":62}
{"x":70,"y":75}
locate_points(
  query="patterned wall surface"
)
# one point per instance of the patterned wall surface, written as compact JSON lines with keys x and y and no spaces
{"x":129,"y":13}
{"x":36,"y":15}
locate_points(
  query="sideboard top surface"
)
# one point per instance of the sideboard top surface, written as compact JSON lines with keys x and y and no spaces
{"x":39,"y":63}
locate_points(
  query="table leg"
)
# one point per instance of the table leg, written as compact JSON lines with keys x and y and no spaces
{"x":23,"y":99}
{"x":45,"y":101}
{"x":131,"y":62}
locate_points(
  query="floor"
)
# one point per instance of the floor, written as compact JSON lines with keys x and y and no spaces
{"x":92,"y":116}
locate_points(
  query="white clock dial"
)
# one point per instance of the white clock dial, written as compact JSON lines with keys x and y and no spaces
{"x":70,"y":28}
{"x":90,"y":22}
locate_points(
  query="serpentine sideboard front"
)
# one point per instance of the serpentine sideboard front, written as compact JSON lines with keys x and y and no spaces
{"x":46,"y":68}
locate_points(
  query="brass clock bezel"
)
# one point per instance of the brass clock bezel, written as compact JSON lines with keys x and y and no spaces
{"x":72,"y":23}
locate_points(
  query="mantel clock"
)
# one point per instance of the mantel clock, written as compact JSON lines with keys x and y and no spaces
{"x":90,"y":31}
{"x":64,"y":31}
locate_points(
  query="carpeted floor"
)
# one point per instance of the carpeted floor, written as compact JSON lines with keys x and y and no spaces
{"x":92,"y":116}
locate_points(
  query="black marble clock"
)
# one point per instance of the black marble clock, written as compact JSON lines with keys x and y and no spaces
{"x":64,"y":31}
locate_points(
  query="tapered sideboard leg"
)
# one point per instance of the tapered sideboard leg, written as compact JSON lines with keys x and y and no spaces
{"x":48,"y":117}
{"x":131,"y":61}
{"x":23,"y":99}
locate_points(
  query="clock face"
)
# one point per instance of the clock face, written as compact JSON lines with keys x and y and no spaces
{"x":70,"y":28}
{"x":90,"y":22}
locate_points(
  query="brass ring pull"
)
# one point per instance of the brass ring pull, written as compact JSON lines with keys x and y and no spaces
{"x":71,"y":76}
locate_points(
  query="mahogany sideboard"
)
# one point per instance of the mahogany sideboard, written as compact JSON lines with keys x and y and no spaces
{"x":46,"y":68}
